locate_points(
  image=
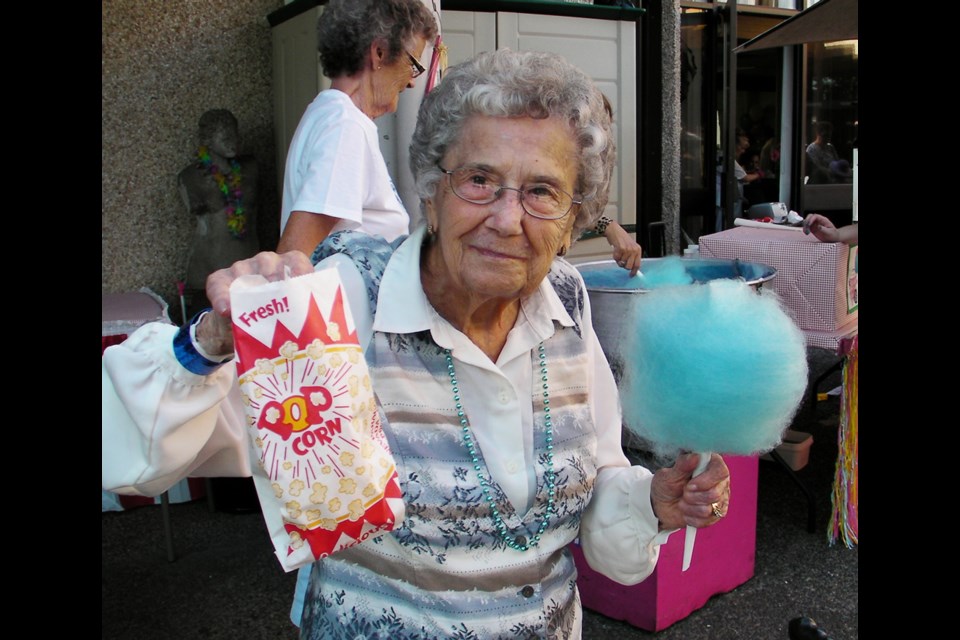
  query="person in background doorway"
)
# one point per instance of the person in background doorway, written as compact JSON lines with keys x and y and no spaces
{"x":820,"y":154}
{"x":743,"y":176}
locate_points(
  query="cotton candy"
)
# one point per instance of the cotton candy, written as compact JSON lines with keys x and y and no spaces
{"x":660,"y":272}
{"x":667,"y":272}
{"x":712,"y":367}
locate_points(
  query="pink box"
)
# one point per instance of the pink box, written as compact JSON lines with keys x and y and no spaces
{"x":816,"y":280}
{"x":723,"y":559}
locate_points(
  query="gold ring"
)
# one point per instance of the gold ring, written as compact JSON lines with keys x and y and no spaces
{"x":716,"y":510}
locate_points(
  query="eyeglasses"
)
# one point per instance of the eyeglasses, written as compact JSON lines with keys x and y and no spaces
{"x":540,"y":200}
{"x":416,"y":69}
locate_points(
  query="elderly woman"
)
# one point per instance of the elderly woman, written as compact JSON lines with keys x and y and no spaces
{"x":498,"y":404}
{"x":336,"y":177}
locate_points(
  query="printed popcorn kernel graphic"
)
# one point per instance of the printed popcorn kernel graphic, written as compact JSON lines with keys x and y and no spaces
{"x":333,"y":330}
{"x":316,"y":349}
{"x":289,"y":349}
{"x":293,"y":509}
{"x":348,"y":486}
{"x":272,"y":414}
{"x":320,"y":398}
{"x":327,"y":523}
{"x":265,"y":366}
{"x":355,"y":510}
{"x":354,"y":384}
{"x":297,"y":487}
{"x":319,"y":493}
{"x":296,"y":540}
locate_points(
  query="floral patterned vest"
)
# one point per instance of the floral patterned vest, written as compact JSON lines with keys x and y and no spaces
{"x":445,"y":573}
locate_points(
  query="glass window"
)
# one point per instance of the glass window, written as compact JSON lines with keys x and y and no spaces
{"x":830,"y":125}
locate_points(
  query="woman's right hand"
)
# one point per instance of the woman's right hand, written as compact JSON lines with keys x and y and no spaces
{"x":215,"y":332}
{"x":679,"y":498}
{"x":626,"y":252}
{"x":821,"y":227}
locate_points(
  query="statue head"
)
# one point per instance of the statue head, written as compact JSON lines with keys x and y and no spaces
{"x":219,"y":132}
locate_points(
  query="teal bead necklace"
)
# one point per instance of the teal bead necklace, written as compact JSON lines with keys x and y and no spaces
{"x":514,"y":542}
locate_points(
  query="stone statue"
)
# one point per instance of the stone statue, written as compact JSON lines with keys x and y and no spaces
{"x":220,"y":189}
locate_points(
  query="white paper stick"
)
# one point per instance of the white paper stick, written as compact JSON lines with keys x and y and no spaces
{"x":691,"y":533}
{"x":744,"y":222}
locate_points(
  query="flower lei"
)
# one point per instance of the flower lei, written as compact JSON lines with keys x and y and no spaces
{"x":230,"y":187}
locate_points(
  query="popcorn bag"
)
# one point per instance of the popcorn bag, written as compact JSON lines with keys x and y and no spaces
{"x":324,"y":472}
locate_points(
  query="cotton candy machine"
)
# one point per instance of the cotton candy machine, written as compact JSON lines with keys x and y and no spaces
{"x":613,"y":293}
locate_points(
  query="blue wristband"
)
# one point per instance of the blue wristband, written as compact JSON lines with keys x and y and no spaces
{"x":187,"y":354}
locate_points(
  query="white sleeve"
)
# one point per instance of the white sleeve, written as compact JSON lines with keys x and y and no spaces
{"x":161,"y":423}
{"x":619,"y":533}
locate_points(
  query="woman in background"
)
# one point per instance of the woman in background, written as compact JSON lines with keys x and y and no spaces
{"x":336,"y":177}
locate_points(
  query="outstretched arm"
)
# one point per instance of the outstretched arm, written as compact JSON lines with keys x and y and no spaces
{"x":626,"y":252}
{"x":825,"y":231}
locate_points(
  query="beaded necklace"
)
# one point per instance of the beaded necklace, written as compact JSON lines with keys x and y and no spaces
{"x":231,"y":190}
{"x":514,"y":542}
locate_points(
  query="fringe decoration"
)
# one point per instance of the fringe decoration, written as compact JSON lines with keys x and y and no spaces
{"x":843,"y":518}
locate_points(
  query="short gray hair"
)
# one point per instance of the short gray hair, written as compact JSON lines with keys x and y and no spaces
{"x":347,"y":28}
{"x":509,"y":84}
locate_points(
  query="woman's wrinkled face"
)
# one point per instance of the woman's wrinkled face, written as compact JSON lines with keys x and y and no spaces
{"x":496,"y":250}
{"x":392,"y":78}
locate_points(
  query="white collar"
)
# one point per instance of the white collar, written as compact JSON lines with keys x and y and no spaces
{"x":402,"y":305}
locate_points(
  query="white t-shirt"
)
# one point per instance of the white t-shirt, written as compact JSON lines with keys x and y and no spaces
{"x":334,"y":167}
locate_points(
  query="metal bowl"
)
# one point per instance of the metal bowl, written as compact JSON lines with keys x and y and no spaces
{"x":611,"y":303}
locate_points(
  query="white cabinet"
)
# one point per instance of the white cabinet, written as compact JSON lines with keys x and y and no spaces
{"x":297,"y":78}
{"x":606,"y":50}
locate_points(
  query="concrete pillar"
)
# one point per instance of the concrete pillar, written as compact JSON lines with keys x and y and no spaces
{"x":670,"y":129}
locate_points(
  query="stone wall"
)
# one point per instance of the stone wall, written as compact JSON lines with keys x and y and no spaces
{"x":163,"y":63}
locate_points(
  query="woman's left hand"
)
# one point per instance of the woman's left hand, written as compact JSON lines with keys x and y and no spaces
{"x":679,"y":499}
{"x":626,"y":251}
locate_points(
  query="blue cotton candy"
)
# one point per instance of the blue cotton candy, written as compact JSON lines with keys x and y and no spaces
{"x":667,"y":272}
{"x":661,"y":272}
{"x":612,"y":277}
{"x":712,"y":367}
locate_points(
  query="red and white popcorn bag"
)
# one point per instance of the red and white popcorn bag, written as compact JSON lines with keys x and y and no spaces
{"x":322,"y":467}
